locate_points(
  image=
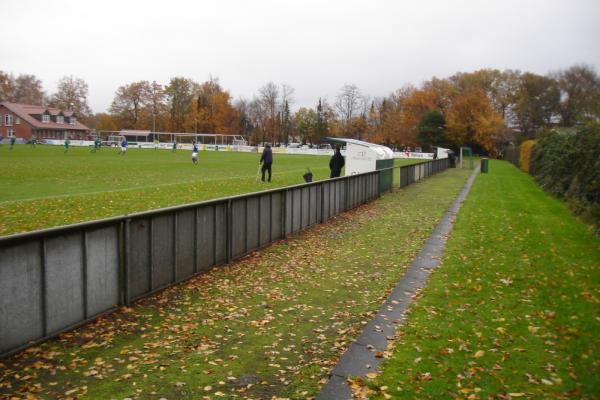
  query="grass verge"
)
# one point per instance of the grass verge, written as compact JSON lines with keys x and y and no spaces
{"x":270,"y":325}
{"x":514,"y":309}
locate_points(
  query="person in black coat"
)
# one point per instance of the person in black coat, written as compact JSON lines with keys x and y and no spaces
{"x":336,"y":163}
{"x":266,"y":160}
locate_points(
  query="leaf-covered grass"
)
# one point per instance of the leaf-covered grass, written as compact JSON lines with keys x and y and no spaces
{"x":514,"y":310}
{"x":43,"y":187}
{"x":272,"y":324}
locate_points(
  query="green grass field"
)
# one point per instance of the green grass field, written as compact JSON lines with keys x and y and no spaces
{"x":269,"y":326}
{"x":43,"y":187}
{"x":513,"y":311}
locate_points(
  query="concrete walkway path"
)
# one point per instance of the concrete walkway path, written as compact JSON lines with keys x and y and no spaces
{"x":361,"y":357}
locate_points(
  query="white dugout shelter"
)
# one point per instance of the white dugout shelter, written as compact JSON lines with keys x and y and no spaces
{"x":364,"y":156}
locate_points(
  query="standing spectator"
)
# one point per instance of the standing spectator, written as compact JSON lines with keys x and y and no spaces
{"x":266,"y":160}
{"x":195,"y":153}
{"x":67,"y":143}
{"x":12,"y":142}
{"x":174,"y":146}
{"x":336,"y":163}
{"x":33,"y":141}
{"x":1,"y":140}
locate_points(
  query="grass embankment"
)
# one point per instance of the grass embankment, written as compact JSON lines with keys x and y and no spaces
{"x":514,"y":309}
{"x":272,"y":324}
{"x":43,"y":187}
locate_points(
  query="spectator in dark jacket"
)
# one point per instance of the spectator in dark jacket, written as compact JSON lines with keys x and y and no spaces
{"x":266,"y":160}
{"x":336,"y":163}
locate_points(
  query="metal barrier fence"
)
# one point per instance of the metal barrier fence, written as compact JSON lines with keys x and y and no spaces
{"x":56,"y":279}
{"x":416,"y":172}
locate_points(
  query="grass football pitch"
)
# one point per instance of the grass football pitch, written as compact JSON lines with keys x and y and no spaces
{"x":43,"y":187}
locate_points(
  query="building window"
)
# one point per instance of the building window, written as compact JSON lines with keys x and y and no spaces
{"x":10,"y":132}
{"x":73,"y":120}
{"x":17,"y":120}
{"x":60,"y":119}
{"x":8,"y":119}
{"x":45,"y":118}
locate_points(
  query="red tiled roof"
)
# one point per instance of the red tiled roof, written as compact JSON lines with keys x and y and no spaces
{"x":25,"y":112}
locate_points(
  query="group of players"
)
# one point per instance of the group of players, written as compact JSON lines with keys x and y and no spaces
{"x":265,"y":164}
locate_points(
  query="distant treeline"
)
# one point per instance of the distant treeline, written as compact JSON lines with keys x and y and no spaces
{"x":485,"y":109}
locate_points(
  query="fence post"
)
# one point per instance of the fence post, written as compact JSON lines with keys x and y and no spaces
{"x":246,"y":224}
{"x":44,"y":305}
{"x":195,"y":240}
{"x":150,"y":255}
{"x":228,"y":231}
{"x":84,"y":286}
{"x":347,"y":188}
{"x":322,"y":202}
{"x":284,"y":214}
{"x":175,"y":228}
{"x":124,"y":239}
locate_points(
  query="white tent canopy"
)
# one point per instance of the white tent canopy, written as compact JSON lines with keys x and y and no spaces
{"x":362,"y":156}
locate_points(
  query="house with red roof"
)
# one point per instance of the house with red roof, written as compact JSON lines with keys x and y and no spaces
{"x":24,"y":121}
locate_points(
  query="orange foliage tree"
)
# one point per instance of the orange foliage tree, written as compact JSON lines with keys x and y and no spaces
{"x":211,"y":110}
{"x":471,"y":119}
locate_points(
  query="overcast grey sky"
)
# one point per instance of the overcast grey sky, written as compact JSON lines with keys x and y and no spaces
{"x":313,"y":46}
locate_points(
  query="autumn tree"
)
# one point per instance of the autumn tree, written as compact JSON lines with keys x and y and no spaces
{"x":243,"y":123}
{"x":103,"y":122}
{"x":212,"y":111}
{"x":472,"y":120}
{"x":388,"y":122}
{"x":269,"y":95}
{"x":286,"y":123}
{"x":285,"y":117}
{"x":72,"y":95}
{"x":349,"y":103}
{"x":442,"y":92}
{"x":180,"y":93}
{"x":357,"y":127}
{"x":7,"y":86}
{"x":26,"y":89}
{"x":258,"y":118}
{"x":155,"y":107}
{"x":537,"y":103}
{"x":373,"y":120}
{"x":500,"y":87}
{"x":128,"y":103}
{"x":305,"y":123}
{"x":413,"y":108}
{"x":322,"y":123}
{"x":580,"y":95}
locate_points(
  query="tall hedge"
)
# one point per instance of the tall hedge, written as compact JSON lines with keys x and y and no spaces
{"x":525,"y":154}
{"x":567,"y":164}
